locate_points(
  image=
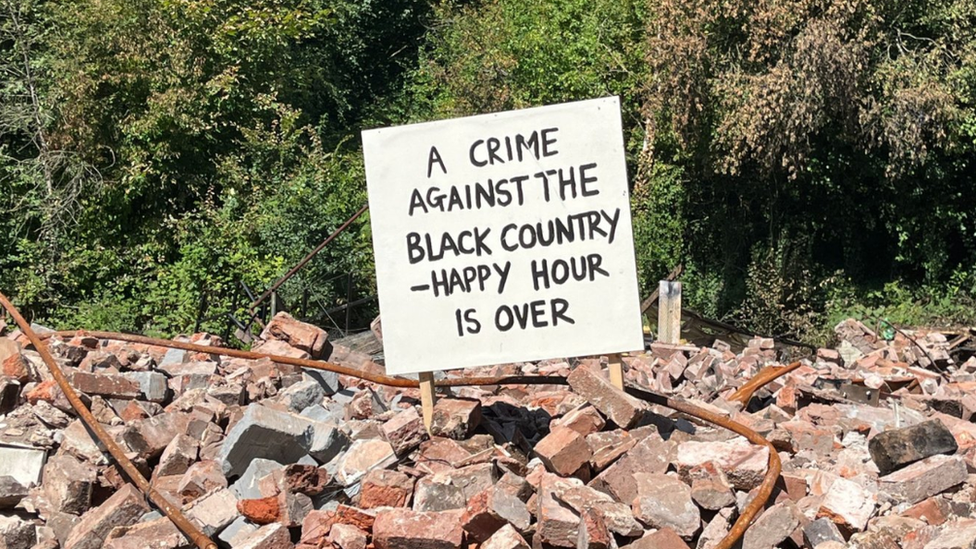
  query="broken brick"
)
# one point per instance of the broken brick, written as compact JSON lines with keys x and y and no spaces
{"x":926,"y":478}
{"x":455,"y":418}
{"x":260,"y":511}
{"x":300,"y":335}
{"x":556,"y":525}
{"x":665,"y":538}
{"x":563,"y":451}
{"x":505,"y":538}
{"x":665,"y":502}
{"x":15,"y":366}
{"x":744,"y":463}
{"x":384,"y":488}
{"x":897,"y":448}
{"x":593,"y":532}
{"x":405,"y":431}
{"x":16,"y":533}
{"x":305,"y":479}
{"x":621,"y":408}
{"x":492,"y":509}
{"x":406,"y":529}
{"x":848,"y":504}
{"x":68,"y":484}
{"x":584,"y":419}
{"x":346,"y":536}
{"x":772,"y":527}
{"x":200,"y":478}
{"x":122,"y":509}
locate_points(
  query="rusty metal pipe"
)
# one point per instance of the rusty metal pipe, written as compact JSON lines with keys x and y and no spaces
{"x":743,"y":394}
{"x":236,"y":353}
{"x":188,"y":528}
{"x":738,"y":528}
{"x":773,"y":469}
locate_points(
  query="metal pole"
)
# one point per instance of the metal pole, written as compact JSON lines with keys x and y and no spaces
{"x":307,"y":258}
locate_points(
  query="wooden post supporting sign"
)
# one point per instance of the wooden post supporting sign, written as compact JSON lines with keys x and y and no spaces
{"x":427,"y":397}
{"x":616,"y":370}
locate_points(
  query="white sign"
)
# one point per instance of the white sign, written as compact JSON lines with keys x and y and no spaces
{"x":503,"y":238}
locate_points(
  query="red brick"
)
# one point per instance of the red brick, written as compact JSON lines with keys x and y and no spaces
{"x":665,"y":538}
{"x":847,"y":504}
{"x":300,"y":335}
{"x":563,"y":451}
{"x":385,"y":488}
{"x":744,"y":463}
{"x":593,"y":532}
{"x":455,"y":418}
{"x":306,"y":479}
{"x":345,"y":514}
{"x":316,"y":527}
{"x":506,"y":538}
{"x":583,"y":419}
{"x":16,"y":366}
{"x":122,"y":509}
{"x":405,"y":431}
{"x":934,"y":511}
{"x":491,"y":509}
{"x":345,"y":536}
{"x":260,"y":511}
{"x":926,"y":478}
{"x":406,"y":529}
{"x":557,"y":525}
{"x":621,"y":408}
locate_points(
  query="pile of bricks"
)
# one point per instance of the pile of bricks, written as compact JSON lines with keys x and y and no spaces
{"x":876,"y":439}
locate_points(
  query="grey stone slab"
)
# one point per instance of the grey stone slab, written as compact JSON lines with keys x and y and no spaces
{"x":265,"y":433}
{"x":246,"y":487}
{"x":23,"y":464}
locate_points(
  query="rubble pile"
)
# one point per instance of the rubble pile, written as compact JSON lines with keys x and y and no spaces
{"x":876,"y":439}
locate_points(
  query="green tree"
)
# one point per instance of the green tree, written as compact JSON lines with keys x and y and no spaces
{"x":835,"y":134}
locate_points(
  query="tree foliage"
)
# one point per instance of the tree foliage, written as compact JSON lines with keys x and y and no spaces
{"x":800,"y":157}
{"x":833,"y":133}
{"x":218,"y":132}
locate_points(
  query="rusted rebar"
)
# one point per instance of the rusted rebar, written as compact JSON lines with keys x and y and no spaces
{"x":773,"y":467}
{"x":298,"y":266}
{"x":188,"y":528}
{"x":744,"y":394}
{"x":738,"y":528}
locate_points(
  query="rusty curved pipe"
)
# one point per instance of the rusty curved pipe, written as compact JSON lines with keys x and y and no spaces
{"x":746,"y":517}
{"x":773,"y":468}
{"x":196,"y":536}
{"x":313,"y":364}
{"x":743,"y":394}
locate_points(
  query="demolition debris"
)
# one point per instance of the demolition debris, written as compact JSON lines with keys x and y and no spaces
{"x":876,"y":441}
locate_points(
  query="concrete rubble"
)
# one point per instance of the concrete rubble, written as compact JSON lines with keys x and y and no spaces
{"x":876,"y":438}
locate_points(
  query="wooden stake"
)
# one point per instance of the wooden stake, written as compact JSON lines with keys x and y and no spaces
{"x":427,"y":397}
{"x":669,"y":312}
{"x":616,"y":363}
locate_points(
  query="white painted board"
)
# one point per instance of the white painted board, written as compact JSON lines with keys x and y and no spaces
{"x":503,"y":237}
